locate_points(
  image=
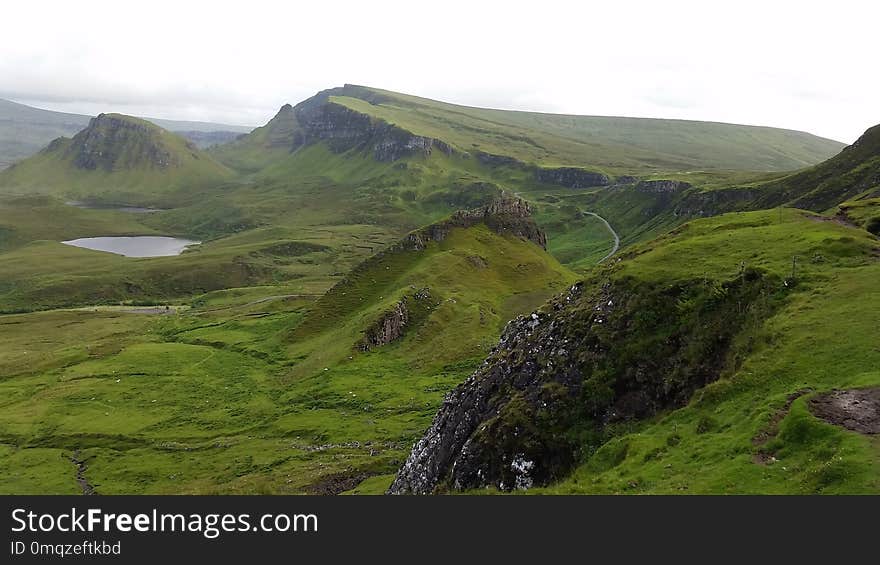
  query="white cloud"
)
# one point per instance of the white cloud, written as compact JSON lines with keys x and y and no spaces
{"x":800,"y":65}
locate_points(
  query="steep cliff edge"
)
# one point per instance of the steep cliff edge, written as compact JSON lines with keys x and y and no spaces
{"x":320,"y":119}
{"x":115,"y":142}
{"x":604,"y":352}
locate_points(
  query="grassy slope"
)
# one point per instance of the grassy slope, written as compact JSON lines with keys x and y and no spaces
{"x":610,"y":143}
{"x":234,"y":342}
{"x":133,"y":180}
{"x":853,"y":174}
{"x":25,"y":130}
{"x":707,"y":446}
{"x":220,"y":398}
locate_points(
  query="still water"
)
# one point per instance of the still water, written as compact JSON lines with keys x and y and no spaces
{"x":137,"y":246}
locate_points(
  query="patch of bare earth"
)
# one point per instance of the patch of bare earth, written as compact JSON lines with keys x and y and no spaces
{"x":854,"y":409}
{"x":763,"y":456}
{"x":337,"y":483}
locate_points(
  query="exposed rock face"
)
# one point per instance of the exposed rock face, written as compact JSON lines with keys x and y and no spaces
{"x":662,"y":186}
{"x":113,"y":142}
{"x":714,"y":202}
{"x":491,"y":160}
{"x":388,"y":328}
{"x":598,"y":354}
{"x":391,"y":326}
{"x":571,"y":177}
{"x":505,"y":215}
{"x":345,"y":129}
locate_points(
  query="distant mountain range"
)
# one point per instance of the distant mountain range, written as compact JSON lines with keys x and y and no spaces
{"x":24,"y":130}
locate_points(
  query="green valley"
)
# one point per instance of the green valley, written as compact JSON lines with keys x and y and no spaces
{"x":611,"y":304}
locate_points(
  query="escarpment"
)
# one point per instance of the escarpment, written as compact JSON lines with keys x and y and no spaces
{"x":601,"y":353}
{"x":572,"y":177}
{"x":344,"y":129}
{"x":113,"y":142}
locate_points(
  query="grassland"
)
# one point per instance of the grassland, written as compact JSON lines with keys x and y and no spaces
{"x":614,"y":144}
{"x":253,"y":380}
{"x":719,"y":443}
{"x":221,"y":398}
{"x":116,"y":159}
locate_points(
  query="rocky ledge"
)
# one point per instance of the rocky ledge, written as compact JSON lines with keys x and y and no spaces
{"x":662,"y":186}
{"x":572,"y":177}
{"x":599,"y":354}
{"x":506,"y":214}
{"x":408,"y":312}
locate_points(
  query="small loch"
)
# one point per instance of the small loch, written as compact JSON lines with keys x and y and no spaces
{"x":135,"y":246}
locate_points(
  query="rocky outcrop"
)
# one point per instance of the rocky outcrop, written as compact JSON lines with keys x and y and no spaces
{"x":714,"y":202}
{"x":571,"y":177}
{"x":393,"y":323}
{"x":113,"y":142}
{"x":387,"y":328}
{"x":344,"y":129}
{"x":662,"y":186}
{"x":599,"y":354}
{"x":491,"y":160}
{"x":504,"y":215}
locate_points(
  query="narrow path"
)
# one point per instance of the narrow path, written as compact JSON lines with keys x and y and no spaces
{"x":81,"y":466}
{"x":601,"y":219}
{"x":613,"y":233}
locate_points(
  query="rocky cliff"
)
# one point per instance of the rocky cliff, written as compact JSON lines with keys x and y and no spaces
{"x":344,"y":129}
{"x":115,"y":142}
{"x":662,"y":186}
{"x":408,"y":312}
{"x":571,"y":177}
{"x":604,"y":352}
{"x":506,"y":214}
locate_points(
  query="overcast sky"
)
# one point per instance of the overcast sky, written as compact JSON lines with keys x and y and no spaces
{"x":802,"y":65}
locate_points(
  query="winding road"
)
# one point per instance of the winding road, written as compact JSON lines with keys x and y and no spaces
{"x":613,"y":233}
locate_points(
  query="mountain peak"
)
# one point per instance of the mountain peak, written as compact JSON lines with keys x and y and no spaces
{"x":116,"y":141}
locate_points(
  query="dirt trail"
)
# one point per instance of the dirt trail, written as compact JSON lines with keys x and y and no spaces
{"x":81,"y":467}
{"x":763,"y":437}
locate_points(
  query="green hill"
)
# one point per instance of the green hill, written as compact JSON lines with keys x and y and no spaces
{"x":116,"y":158}
{"x":698,"y":363}
{"x":362,"y":253}
{"x":247,"y":393}
{"x":613,"y":144}
{"x":24,"y":130}
{"x":853,"y":174}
